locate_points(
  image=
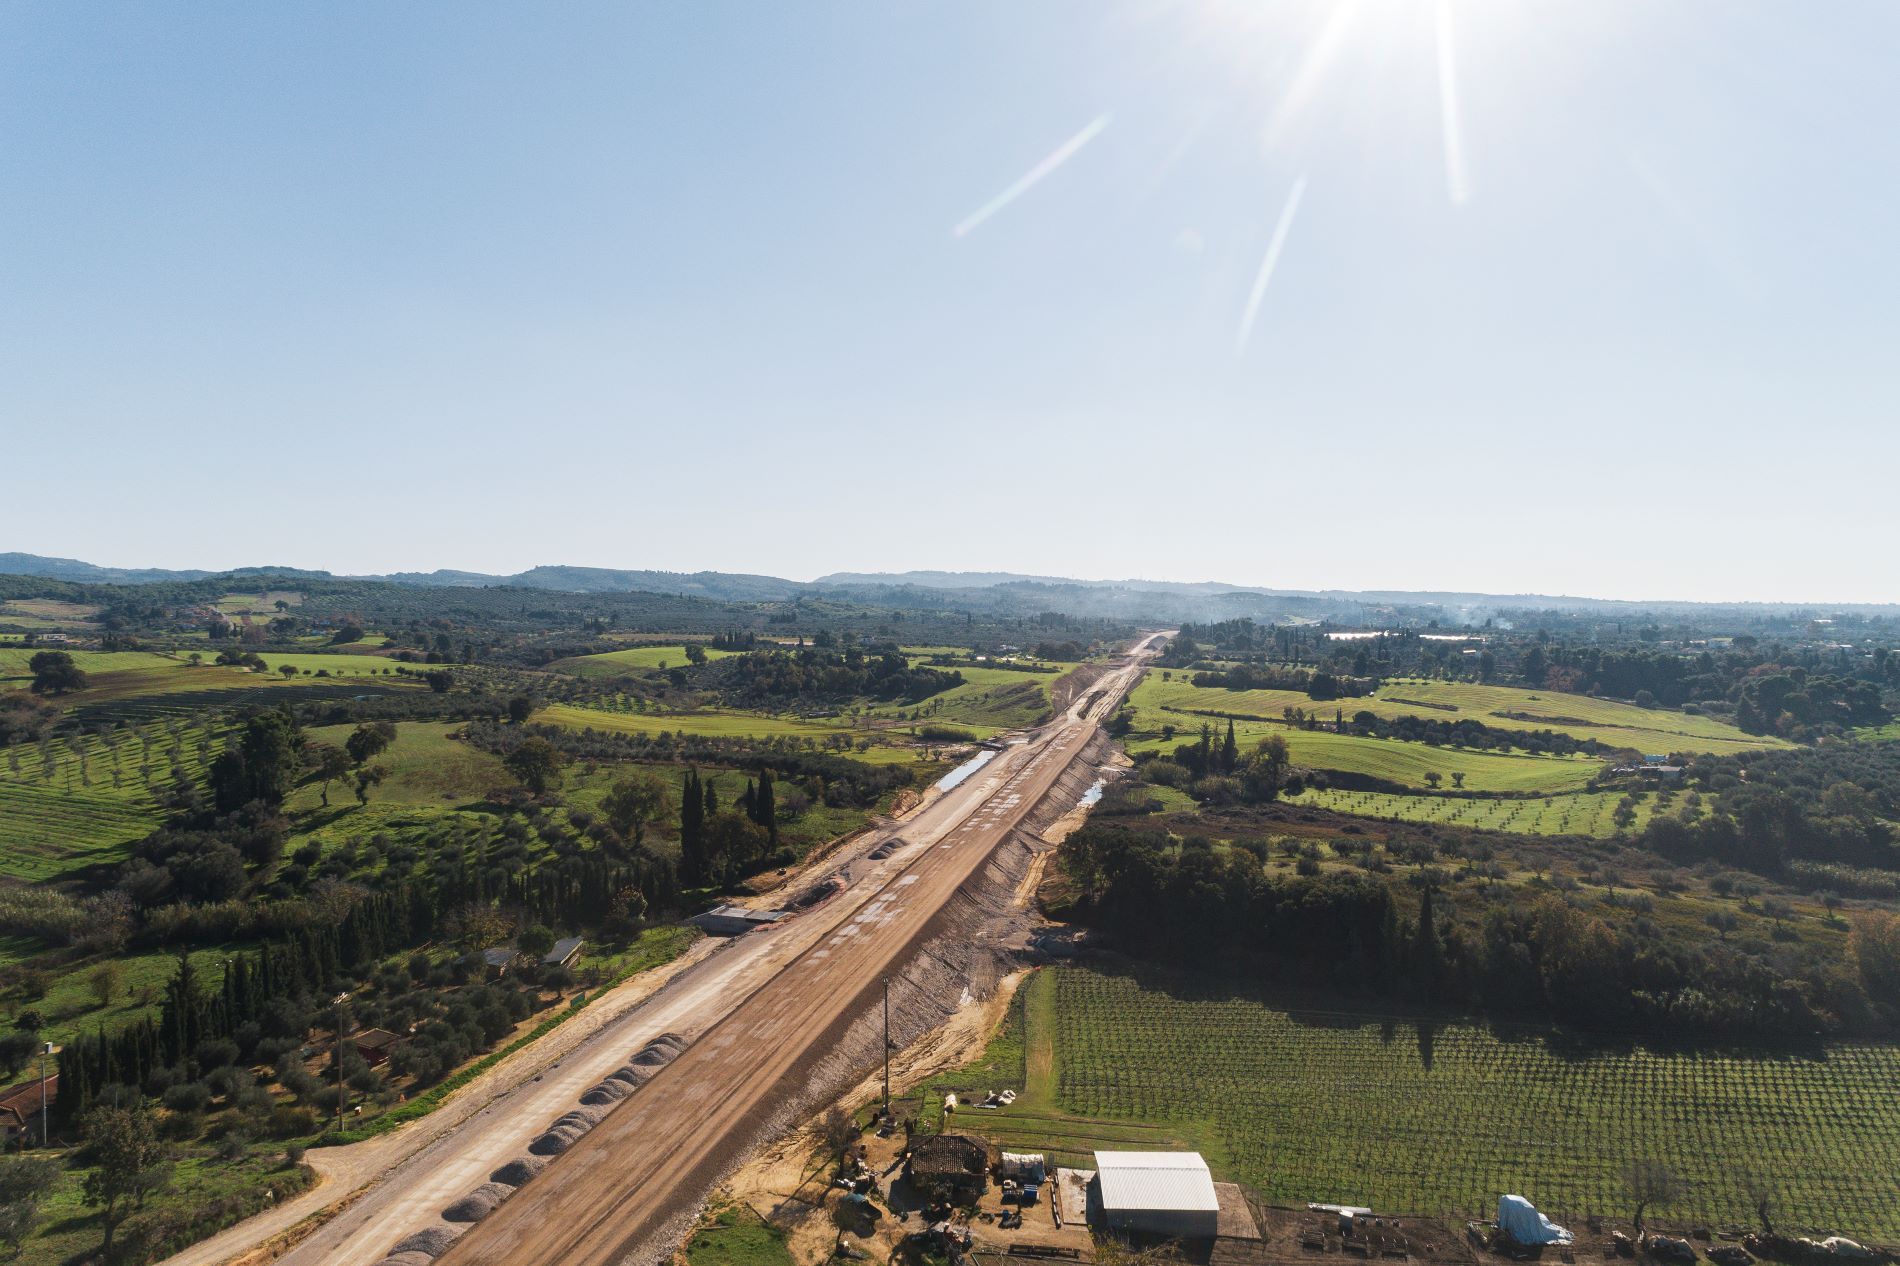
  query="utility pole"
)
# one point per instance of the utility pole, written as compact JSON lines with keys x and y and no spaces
{"x":336,"y":1054}
{"x":46,"y":1048}
{"x":887,"y":1050}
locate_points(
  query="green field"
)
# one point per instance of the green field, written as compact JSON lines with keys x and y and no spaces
{"x":14,"y":661}
{"x":1619,"y":725}
{"x":259,"y":604}
{"x":425,"y":766}
{"x":145,"y":685}
{"x":718,"y":724}
{"x":989,"y":700}
{"x":635,"y":659}
{"x":1586,"y":813}
{"x":1435,"y":1118}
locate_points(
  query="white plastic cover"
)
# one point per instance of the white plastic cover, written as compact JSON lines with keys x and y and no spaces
{"x":1027,"y":1165}
{"x":1519,"y":1219}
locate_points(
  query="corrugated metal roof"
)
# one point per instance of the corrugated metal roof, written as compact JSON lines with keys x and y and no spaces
{"x":1155,"y":1181}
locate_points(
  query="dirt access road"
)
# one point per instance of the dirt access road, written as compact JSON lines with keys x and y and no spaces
{"x":621,"y":1193}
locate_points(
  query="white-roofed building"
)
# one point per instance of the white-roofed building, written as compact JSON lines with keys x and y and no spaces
{"x":1161,"y":1193}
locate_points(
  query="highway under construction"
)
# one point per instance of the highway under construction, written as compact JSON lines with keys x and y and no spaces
{"x":620,"y":1192}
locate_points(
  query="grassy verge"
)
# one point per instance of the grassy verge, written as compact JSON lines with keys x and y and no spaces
{"x":736,"y":1236}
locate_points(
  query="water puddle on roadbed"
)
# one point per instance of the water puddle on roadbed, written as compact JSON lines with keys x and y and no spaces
{"x":956,"y":776}
{"x":1093,"y":794}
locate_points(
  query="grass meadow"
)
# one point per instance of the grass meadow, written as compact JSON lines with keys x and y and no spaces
{"x":1619,"y":725}
{"x":634,"y":660}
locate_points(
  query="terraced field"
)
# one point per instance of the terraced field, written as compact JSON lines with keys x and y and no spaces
{"x":80,"y":801}
{"x":48,"y":832}
{"x":1406,"y":1114}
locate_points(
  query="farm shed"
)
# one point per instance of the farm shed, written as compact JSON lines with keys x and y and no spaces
{"x":732,"y":920}
{"x":953,"y":1167}
{"x":565,"y":951}
{"x":20,"y":1107}
{"x":1161,"y":1193}
{"x":374,"y":1045}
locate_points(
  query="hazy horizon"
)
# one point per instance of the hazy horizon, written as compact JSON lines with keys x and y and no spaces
{"x":1590,"y":299}
{"x":810,"y":575}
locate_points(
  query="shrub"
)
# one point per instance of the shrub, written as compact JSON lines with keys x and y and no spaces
{"x":286,"y":1121}
{"x":191,"y":1096}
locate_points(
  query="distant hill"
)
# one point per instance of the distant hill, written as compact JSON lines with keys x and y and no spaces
{"x":995,"y":592}
{"x":89,"y":573}
{"x":723,"y":586}
{"x":940,"y":579}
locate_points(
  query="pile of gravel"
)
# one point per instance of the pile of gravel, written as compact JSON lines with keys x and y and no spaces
{"x":478,"y":1203}
{"x":411,"y":1258}
{"x":519,"y":1170}
{"x":587,"y":1115}
{"x":607,"y":1092}
{"x":661,"y":1050}
{"x":555,"y":1141}
{"x":431,"y":1243}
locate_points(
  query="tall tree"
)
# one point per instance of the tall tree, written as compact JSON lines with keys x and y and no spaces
{"x":55,"y":673}
{"x":128,"y":1162}
{"x":692,"y":830}
{"x":765,"y":808}
{"x":261,"y":766}
{"x":24,"y":1185}
{"x":536,"y":763}
{"x":368,"y":740}
{"x":635,"y":803}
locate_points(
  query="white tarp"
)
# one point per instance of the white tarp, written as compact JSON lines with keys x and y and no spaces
{"x":1028,"y":1166}
{"x":1519,"y":1219}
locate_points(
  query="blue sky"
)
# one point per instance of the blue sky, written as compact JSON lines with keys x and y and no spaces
{"x":1586,"y":296}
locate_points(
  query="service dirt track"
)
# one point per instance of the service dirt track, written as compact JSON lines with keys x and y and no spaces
{"x":613,"y":1197}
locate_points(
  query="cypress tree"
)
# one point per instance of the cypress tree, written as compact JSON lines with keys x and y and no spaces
{"x":692,"y":826}
{"x":182,"y":1019}
{"x":1229,"y":750}
{"x":1429,"y":954}
{"x":764,"y":811}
